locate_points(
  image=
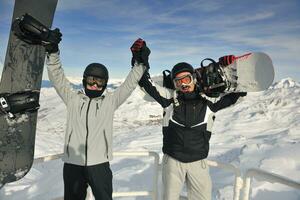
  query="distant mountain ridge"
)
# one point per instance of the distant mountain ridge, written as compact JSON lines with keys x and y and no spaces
{"x":48,"y":84}
{"x":285,"y":83}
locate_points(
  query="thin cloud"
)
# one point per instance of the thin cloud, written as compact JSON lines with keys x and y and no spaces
{"x":71,"y":5}
{"x":177,"y":30}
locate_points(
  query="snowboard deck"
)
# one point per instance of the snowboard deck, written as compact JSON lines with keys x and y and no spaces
{"x":22,"y":71}
{"x":254,"y":71}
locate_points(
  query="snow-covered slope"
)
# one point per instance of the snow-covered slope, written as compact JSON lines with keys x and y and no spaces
{"x":261,"y":131}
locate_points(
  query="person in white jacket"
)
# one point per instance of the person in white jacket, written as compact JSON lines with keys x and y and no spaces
{"x":89,"y":131}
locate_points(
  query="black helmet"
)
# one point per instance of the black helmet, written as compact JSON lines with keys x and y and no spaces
{"x":97,"y":70}
{"x":181,"y":67}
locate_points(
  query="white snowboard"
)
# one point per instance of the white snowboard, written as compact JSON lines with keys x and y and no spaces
{"x":254,"y":72}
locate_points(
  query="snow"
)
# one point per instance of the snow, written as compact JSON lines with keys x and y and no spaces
{"x":261,"y":131}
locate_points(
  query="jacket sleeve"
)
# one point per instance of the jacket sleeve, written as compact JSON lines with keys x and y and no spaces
{"x":224,"y":102}
{"x":57,"y":77}
{"x":127,"y":87}
{"x":160,"y":94}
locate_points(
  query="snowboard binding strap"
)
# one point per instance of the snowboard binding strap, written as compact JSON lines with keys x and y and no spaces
{"x":19,"y":103}
{"x":211,"y":79}
{"x":30,"y":30}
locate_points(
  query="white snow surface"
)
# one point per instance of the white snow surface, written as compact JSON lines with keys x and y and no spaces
{"x":262,"y":130}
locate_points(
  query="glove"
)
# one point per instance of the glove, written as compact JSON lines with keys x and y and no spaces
{"x":52,"y":40}
{"x":140,"y":53}
{"x":235,"y":96}
{"x":53,"y":36}
{"x":241,"y":94}
{"x":226,"y":60}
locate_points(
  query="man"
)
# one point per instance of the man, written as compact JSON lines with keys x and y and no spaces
{"x":186,"y":133}
{"x":88,"y":138}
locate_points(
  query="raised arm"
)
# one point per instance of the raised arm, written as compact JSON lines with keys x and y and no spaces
{"x":55,"y":72}
{"x":127,"y":87}
{"x":139,"y":62}
{"x":161,"y":94}
{"x":225,"y":101}
{"x":57,"y":77}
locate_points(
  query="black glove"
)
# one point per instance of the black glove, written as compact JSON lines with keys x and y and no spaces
{"x":235,"y":96}
{"x":140,"y":53}
{"x":226,"y":60}
{"x":52,"y":40}
{"x":241,"y":94}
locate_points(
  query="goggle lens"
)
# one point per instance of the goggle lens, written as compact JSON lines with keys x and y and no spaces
{"x":186,"y":79}
{"x":91,"y":80}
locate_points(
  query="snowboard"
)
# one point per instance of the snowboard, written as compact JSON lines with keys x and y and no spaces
{"x":251,"y":72}
{"x":20,"y":84}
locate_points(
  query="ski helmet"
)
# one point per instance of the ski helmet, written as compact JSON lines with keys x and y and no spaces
{"x":181,"y":67}
{"x":95,"y":70}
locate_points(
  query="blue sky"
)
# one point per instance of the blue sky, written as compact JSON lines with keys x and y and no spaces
{"x":175,"y":31}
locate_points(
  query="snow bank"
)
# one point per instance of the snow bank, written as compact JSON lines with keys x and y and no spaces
{"x":260,"y":131}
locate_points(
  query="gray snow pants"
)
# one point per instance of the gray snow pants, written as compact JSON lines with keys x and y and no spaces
{"x":195,"y":174}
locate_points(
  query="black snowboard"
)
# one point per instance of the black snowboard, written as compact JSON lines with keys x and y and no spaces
{"x":22,"y":71}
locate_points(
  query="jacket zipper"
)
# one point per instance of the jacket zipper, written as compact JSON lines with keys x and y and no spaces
{"x":194,"y":112}
{"x":185,"y":124}
{"x":69,"y":144}
{"x":87,"y":132}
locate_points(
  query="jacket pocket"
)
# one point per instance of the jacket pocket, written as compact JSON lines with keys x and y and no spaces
{"x":207,"y":136}
{"x":68,"y":144}
{"x":81,"y":108}
{"x":106,"y":144}
{"x":165,"y":159}
{"x":97,"y":108}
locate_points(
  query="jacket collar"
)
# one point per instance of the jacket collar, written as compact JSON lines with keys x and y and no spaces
{"x":82,"y":92}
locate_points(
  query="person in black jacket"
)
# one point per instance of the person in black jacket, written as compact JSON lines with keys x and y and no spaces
{"x":186,"y":133}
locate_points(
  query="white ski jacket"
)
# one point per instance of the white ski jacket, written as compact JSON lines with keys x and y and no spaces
{"x":89,"y":130}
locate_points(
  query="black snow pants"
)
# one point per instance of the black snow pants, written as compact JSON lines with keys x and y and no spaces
{"x":77,"y":178}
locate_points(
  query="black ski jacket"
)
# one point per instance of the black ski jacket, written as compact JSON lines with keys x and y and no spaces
{"x":186,"y":133}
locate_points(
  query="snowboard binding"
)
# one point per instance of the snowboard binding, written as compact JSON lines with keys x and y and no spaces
{"x":167,"y":80}
{"x":30,"y":30}
{"x":211,"y":79}
{"x":19,"y":103}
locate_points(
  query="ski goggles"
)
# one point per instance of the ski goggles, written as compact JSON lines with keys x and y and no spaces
{"x":183,"y":80}
{"x":92,"y":80}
